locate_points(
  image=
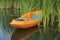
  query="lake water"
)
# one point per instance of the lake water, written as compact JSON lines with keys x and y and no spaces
{"x":6,"y":30}
{"x":5,"y":18}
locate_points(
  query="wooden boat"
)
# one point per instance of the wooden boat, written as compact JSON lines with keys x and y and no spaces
{"x":29,"y":22}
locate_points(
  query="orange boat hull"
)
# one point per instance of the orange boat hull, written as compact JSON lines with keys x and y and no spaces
{"x":26,"y":23}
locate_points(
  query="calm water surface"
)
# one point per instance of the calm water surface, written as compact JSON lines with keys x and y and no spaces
{"x":5,"y":18}
{"x":6,"y":30}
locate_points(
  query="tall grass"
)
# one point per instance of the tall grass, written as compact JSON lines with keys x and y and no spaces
{"x":58,"y":9}
{"x":48,"y":14}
